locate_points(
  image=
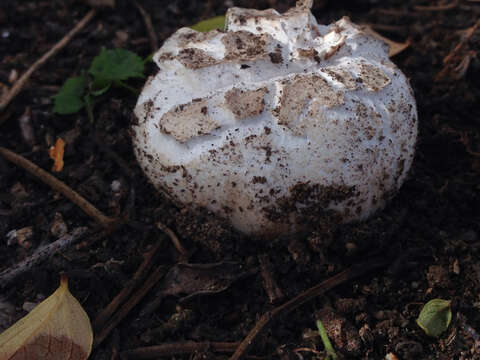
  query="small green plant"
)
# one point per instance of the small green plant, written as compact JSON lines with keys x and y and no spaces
{"x":331,"y":355}
{"x":435,"y":317}
{"x":109,"y":68}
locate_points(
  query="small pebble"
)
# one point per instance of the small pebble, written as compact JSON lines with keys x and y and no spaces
{"x":13,"y":76}
{"x":21,"y":237}
{"x":391,"y":356}
{"x":58,"y":227}
{"x":456,"y":267}
{"x":116,"y":186}
{"x":29,"y":306}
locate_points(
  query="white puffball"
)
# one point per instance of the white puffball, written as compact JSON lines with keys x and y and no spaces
{"x":275,"y":120}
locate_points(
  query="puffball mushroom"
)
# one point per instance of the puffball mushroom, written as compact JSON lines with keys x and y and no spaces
{"x":275,"y":119}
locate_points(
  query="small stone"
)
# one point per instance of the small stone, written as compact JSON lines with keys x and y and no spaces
{"x":351,"y":248}
{"x":21,"y":237}
{"x":456,"y":267}
{"x":29,"y":306}
{"x":391,"y":356}
{"x":58,"y":227}
{"x":13,"y":76}
{"x":116,"y":186}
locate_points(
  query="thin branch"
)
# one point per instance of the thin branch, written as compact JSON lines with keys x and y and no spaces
{"x":468,"y":34}
{"x":118,"y":300}
{"x":148,"y":23}
{"x":175,"y":240}
{"x":310,"y":294}
{"x":450,"y":60}
{"x":20,"y":83}
{"x":129,"y":305}
{"x":107,"y":222}
{"x":450,"y":6}
{"x":7,"y":276}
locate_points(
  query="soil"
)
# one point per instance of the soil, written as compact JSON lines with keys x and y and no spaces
{"x":429,"y":233}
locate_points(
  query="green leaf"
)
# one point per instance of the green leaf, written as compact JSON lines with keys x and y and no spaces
{"x":217,"y":22}
{"x":115,"y":65}
{"x":435,"y":317}
{"x":69,"y":99}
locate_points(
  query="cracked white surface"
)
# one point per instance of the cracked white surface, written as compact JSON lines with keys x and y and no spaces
{"x":275,"y":118}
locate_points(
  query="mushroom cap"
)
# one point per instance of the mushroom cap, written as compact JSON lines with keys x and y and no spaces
{"x":275,"y":119}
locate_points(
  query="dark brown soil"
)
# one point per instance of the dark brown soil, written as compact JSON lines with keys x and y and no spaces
{"x":430,"y":231}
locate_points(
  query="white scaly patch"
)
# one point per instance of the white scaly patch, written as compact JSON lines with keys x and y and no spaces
{"x":276,"y":119}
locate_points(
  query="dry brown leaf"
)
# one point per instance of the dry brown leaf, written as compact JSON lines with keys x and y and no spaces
{"x":201,"y":279}
{"x":395,"y":47}
{"x":56,"y":154}
{"x":57,"y":329}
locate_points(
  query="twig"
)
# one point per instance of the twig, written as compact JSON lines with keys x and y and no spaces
{"x":131,"y":285}
{"x":175,"y":240}
{"x":40,"y":255}
{"x":468,"y":34}
{"x":449,"y":60}
{"x":148,"y":23}
{"x":20,"y":83}
{"x":129,"y":305}
{"x":320,"y":289}
{"x":107,"y":222}
{"x":153,"y":352}
{"x":316,"y":352}
{"x":269,"y":283}
{"x":450,"y":6}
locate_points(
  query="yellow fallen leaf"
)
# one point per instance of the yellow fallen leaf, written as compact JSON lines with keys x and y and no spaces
{"x":56,"y":153}
{"x":395,"y":47}
{"x":57,"y":329}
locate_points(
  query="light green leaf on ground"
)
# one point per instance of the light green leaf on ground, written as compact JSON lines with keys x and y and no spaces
{"x":435,"y":317}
